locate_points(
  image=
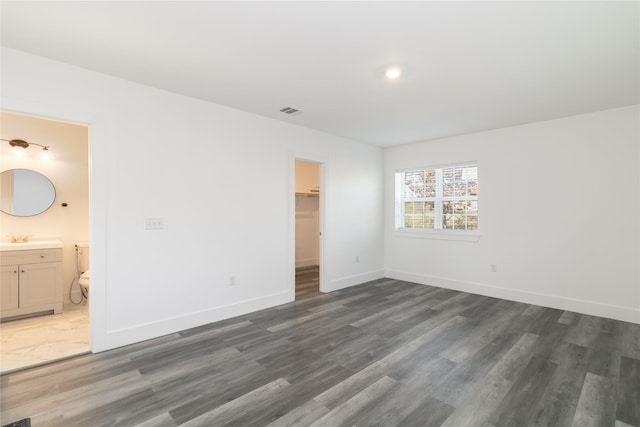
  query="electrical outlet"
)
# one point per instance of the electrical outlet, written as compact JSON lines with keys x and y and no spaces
{"x":357,"y":259}
{"x":493,"y":268}
{"x":154,"y":223}
{"x":232,"y":280}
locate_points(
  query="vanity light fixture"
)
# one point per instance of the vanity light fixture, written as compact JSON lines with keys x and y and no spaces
{"x":16,"y":144}
{"x":45,"y":154}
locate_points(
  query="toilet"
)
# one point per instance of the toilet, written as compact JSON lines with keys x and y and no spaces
{"x":82,"y":255}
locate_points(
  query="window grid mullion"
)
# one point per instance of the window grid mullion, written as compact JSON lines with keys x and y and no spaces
{"x":438,"y":200}
{"x":418,"y":215}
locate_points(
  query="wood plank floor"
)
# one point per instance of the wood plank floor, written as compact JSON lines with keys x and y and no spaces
{"x":307,"y":282}
{"x":384,"y":353}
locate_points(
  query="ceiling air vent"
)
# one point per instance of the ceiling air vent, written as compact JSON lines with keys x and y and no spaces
{"x":290,"y":111}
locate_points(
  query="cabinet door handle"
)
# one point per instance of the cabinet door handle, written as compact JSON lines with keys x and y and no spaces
{"x":15,"y":271}
{"x":21,"y":271}
{"x":41,"y":256}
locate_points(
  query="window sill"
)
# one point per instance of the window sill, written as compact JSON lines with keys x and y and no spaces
{"x":438,"y":235}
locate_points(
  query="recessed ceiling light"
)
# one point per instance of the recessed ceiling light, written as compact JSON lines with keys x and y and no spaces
{"x":392,"y":73}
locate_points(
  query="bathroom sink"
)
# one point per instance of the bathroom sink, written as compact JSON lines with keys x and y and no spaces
{"x":34,"y":244}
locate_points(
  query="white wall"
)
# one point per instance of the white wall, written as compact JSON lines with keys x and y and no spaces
{"x":307,"y":214}
{"x":559,"y":214}
{"x":222,"y":180}
{"x":69,"y":173}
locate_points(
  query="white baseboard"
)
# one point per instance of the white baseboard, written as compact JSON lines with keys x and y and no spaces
{"x":145,"y":331}
{"x":356,"y":279}
{"x":306,"y":262}
{"x":626,"y":314}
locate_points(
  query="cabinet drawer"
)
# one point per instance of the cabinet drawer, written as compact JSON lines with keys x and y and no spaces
{"x":30,"y":256}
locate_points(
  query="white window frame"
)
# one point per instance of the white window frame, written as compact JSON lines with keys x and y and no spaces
{"x":437,"y":232}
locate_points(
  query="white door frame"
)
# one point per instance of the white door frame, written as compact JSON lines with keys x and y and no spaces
{"x":322,"y":220}
{"x":97,"y":201}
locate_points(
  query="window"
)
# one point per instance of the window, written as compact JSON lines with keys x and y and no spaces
{"x":443,"y":198}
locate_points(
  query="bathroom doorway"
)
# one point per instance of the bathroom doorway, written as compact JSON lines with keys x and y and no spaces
{"x":308,"y":232}
{"x":34,"y":335}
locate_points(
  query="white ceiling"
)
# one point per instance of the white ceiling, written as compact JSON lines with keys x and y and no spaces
{"x":468,"y":66}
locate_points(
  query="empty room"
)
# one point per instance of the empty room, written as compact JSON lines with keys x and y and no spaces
{"x":320,"y":213}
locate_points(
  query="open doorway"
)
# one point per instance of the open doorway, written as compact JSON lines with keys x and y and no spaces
{"x":307,"y":227}
{"x":46,"y":317}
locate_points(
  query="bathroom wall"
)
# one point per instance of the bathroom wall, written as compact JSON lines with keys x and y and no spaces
{"x":223,"y":182}
{"x":69,"y":173}
{"x":307,"y":214}
{"x":559,"y":215}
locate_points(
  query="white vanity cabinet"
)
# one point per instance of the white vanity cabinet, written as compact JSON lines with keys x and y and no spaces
{"x":31,"y":281}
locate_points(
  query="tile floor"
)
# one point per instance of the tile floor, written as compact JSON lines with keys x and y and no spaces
{"x":42,"y":339}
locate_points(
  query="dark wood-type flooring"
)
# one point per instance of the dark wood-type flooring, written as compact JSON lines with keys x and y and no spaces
{"x":307,"y":282}
{"x":384,"y":353}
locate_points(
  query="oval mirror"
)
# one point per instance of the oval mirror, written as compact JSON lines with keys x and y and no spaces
{"x":24,"y":192}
